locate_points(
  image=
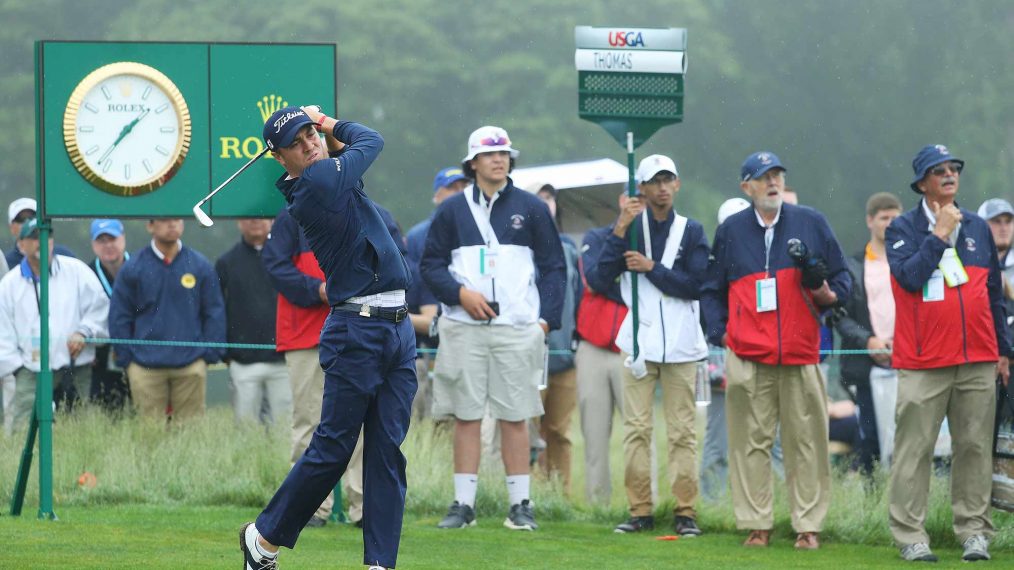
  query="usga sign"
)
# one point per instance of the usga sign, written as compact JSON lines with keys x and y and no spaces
{"x":632,"y":50}
{"x":630,"y":80}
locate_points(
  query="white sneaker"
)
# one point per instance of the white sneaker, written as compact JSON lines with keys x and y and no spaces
{"x":918,"y":552}
{"x":976,"y":548}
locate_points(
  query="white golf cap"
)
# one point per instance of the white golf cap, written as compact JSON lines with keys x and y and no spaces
{"x":652,"y":165}
{"x":995,"y":207}
{"x":20,"y":205}
{"x":730,"y":207}
{"x":488,"y":139}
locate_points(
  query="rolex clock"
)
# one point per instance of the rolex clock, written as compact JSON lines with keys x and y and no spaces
{"x":127,"y":128}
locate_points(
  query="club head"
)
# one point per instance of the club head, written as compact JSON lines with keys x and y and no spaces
{"x":203,"y":218}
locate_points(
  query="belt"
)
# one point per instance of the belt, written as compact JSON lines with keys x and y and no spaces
{"x":394,"y":314}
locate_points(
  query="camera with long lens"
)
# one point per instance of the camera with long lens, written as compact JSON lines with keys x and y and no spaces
{"x":814,"y":269}
{"x":814,"y":272}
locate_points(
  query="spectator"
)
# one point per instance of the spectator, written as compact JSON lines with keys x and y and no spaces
{"x":560,"y":396}
{"x":109,"y":244}
{"x":999,"y":214}
{"x":715,"y":457}
{"x":869,"y":325}
{"x":422,"y":304}
{"x":257,"y":376}
{"x":764,"y":308}
{"x":493,"y":259}
{"x":302,"y":309}
{"x":167,"y":292}
{"x":77,"y":310}
{"x":672,"y":257}
{"x":18,"y":213}
{"x":947,"y":286}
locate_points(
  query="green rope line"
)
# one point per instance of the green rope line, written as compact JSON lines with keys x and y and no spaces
{"x":249,"y":346}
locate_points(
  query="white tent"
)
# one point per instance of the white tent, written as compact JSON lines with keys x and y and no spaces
{"x":588,"y":190}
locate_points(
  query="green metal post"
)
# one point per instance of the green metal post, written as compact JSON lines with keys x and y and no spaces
{"x":44,"y":391}
{"x":25,"y":469}
{"x":634,"y":228}
{"x":44,"y":386}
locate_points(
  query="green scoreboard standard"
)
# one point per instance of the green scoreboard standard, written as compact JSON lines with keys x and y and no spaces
{"x":139,"y":129}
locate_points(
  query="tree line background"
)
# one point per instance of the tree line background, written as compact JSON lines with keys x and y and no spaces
{"x":844,"y":91}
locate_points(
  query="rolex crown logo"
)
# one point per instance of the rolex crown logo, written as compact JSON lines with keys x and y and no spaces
{"x":269,"y":104}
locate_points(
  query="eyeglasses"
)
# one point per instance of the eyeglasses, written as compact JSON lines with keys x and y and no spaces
{"x":20,"y":219}
{"x":495,"y":141}
{"x":942,"y":169}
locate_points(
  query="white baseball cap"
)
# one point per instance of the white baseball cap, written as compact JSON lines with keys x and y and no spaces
{"x":488,"y":139}
{"x":730,"y":207}
{"x":20,"y":205}
{"x":652,"y":165}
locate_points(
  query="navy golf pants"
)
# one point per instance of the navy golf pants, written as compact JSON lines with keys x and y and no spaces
{"x":369,"y":383}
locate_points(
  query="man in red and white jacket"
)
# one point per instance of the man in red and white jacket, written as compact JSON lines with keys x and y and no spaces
{"x":761,"y":300}
{"x":950,"y":344}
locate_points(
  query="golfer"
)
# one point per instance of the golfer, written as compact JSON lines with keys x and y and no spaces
{"x":367,"y":346}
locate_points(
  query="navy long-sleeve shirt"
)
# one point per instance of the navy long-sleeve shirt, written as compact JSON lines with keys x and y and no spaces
{"x":343,"y":227}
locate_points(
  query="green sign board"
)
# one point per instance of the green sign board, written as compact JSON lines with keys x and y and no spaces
{"x":630,"y":80}
{"x":135,"y":129}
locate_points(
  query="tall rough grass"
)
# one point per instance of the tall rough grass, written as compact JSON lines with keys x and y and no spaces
{"x":215,"y":462}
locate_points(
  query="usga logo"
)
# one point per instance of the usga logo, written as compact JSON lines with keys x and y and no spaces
{"x":233,"y":147}
{"x":626,"y":39}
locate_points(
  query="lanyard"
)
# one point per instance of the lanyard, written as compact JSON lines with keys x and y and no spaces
{"x":102,"y":274}
{"x":769,"y":236}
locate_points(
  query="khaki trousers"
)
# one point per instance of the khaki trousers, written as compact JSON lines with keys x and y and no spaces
{"x":26,"y":382}
{"x":680,"y":411}
{"x":559,"y":400}
{"x":966,"y":395}
{"x":758,"y":398}
{"x":599,"y":392}
{"x":307,"y":378}
{"x":155,"y":390}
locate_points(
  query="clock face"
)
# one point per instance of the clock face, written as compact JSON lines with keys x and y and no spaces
{"x":127,"y":128}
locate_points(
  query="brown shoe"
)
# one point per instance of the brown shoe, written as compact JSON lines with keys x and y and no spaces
{"x":758,"y":538}
{"x":807,"y":541}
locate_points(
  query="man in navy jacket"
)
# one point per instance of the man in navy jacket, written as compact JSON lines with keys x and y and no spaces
{"x":950,"y":345}
{"x":763,"y":305}
{"x":167,"y":292}
{"x":367,"y":346}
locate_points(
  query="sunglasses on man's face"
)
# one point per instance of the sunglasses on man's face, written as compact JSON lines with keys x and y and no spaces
{"x":22,"y":219}
{"x":942,"y":169}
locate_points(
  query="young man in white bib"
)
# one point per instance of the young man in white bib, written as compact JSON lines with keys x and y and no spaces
{"x":670,"y":261}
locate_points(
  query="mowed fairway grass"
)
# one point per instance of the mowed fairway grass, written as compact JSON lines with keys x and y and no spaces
{"x":175,"y":498}
{"x":139,"y":536}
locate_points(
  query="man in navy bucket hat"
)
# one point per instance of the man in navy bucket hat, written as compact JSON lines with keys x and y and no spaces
{"x":950,"y":345}
{"x":367,"y":345}
{"x":930,"y":156}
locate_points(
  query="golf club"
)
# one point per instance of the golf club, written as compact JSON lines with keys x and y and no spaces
{"x":205,"y":219}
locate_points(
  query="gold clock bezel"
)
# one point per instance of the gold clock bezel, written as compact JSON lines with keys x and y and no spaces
{"x":179,"y":153}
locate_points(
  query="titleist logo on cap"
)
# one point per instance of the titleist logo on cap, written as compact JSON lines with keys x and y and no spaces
{"x":280,"y":122}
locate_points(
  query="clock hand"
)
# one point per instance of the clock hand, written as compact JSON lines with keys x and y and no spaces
{"x":123,"y":132}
